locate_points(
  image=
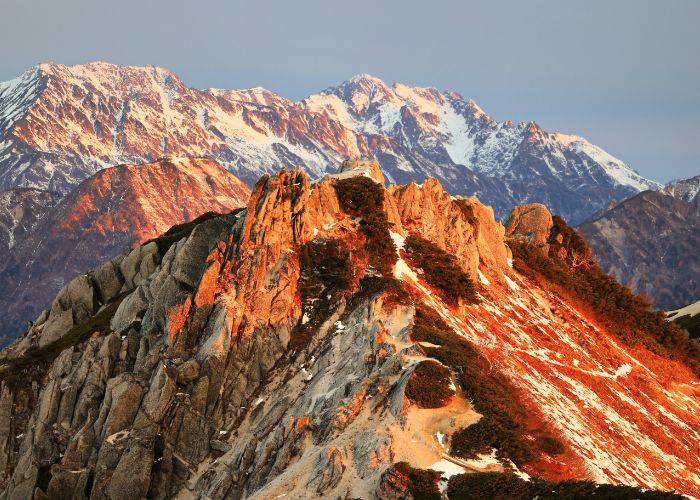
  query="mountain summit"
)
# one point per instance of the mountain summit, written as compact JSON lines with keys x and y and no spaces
{"x":60,"y":124}
{"x":342,"y":339}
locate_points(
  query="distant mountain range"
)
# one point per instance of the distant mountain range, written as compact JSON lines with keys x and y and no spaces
{"x":651,"y":242}
{"x":61,"y":124}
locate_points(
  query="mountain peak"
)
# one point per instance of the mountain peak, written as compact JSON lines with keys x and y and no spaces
{"x":648,"y":241}
{"x":364,"y":78}
{"x":97,"y":67}
{"x":109,"y":75}
{"x":363,"y":83}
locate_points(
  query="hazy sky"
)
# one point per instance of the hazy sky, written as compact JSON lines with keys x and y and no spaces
{"x":624,"y":73}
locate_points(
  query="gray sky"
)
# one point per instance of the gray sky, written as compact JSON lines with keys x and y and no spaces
{"x":623,"y":73}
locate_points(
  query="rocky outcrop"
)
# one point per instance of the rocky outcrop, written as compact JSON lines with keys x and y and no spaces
{"x":85,"y":295}
{"x":117,"y":208}
{"x":369,"y":168}
{"x":649,"y":242}
{"x":196,"y":354}
{"x":208,"y":375}
{"x":463,"y":227}
{"x":532,"y":222}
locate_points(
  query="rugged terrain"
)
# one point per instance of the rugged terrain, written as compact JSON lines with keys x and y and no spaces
{"x":46,"y":242}
{"x":303,"y":346}
{"x":650,"y":242}
{"x":61,"y":124}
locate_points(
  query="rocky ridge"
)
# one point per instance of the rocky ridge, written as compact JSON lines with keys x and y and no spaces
{"x":60,"y":124}
{"x":192,"y":377}
{"x":53,"y":239}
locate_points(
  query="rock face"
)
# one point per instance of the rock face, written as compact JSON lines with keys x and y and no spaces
{"x":60,"y":124}
{"x":533,"y":222}
{"x":115,"y":209}
{"x":649,"y":242}
{"x":221,"y":369}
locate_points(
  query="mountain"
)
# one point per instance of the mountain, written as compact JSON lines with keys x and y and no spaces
{"x":60,"y":124}
{"x":338,"y":338}
{"x":650,"y":243}
{"x":109,"y":212}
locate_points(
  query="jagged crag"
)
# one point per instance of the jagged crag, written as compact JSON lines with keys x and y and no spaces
{"x":305,"y":346}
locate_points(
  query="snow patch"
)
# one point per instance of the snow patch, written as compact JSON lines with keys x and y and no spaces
{"x":441,"y":438}
{"x":689,"y":310}
{"x":512,"y":284}
{"x":398,"y":240}
{"x":458,"y":144}
{"x":447,"y":468}
{"x":483,"y":279}
{"x":306,"y":374}
{"x":522,"y":475}
{"x":623,"y":370}
{"x":616,"y":169}
{"x":401,"y":269}
{"x":483,"y":461}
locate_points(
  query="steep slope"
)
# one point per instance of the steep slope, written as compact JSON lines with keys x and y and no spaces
{"x":60,"y":124}
{"x":303,"y":347}
{"x":111,"y":211}
{"x":650,"y":243}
